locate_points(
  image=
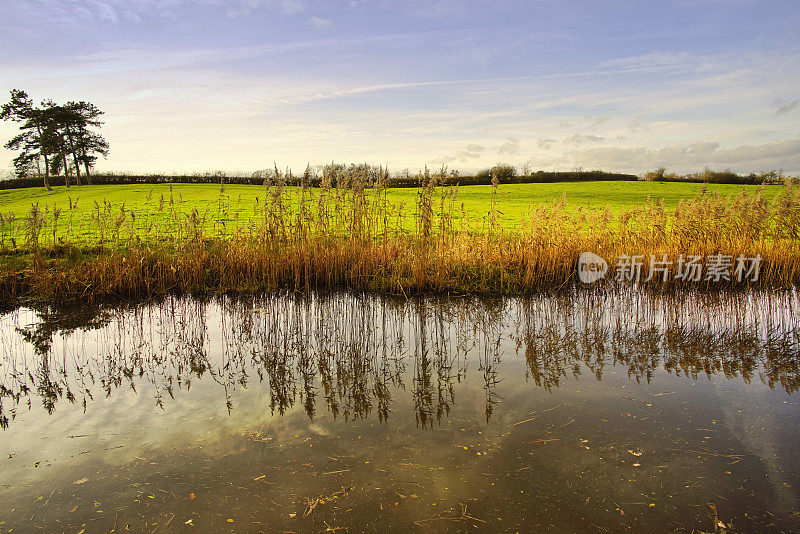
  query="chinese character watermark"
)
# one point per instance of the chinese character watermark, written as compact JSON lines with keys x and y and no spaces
{"x":687,"y":268}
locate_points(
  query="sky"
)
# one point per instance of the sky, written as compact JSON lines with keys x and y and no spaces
{"x":242,"y":85}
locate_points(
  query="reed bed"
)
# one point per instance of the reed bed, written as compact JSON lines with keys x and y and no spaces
{"x":346,"y":234}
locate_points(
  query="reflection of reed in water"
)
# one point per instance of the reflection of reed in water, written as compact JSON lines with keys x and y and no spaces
{"x":352,"y":354}
{"x":687,"y":334}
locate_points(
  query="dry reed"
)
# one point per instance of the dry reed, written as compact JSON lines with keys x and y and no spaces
{"x":346,"y":235}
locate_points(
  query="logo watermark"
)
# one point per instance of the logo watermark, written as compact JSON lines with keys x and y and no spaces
{"x":687,"y":268}
{"x":591,"y":267}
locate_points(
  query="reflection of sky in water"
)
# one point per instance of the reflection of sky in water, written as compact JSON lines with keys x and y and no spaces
{"x":446,"y":400}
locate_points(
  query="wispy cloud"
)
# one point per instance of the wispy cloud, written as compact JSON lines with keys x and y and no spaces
{"x":783,"y":154}
{"x":473,"y":152}
{"x":511,"y":146}
{"x":545,"y":143}
{"x":77,"y":11}
{"x":648,"y":61}
{"x":637,"y":124}
{"x":596,"y":122}
{"x":465,"y":155}
{"x":782,"y":107}
{"x":578,"y":139}
{"x":141,"y":57}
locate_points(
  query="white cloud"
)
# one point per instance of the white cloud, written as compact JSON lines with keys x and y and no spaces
{"x":106,"y":12}
{"x":464,"y":155}
{"x":784,"y":154}
{"x":511,"y":146}
{"x":443,"y":160}
{"x":319,"y":22}
{"x":546,"y":143}
{"x":473,"y":152}
{"x":596,"y":122}
{"x":579,"y":139}
{"x":637,"y":124}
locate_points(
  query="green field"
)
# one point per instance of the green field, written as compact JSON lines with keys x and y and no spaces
{"x":239,"y":202}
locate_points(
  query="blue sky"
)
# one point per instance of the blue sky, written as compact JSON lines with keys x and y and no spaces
{"x":198,"y":85}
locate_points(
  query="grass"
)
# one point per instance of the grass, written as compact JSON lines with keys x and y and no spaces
{"x":512,"y":201}
{"x":143,"y":240}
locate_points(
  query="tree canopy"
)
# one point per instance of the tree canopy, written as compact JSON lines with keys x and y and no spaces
{"x":54,"y":138}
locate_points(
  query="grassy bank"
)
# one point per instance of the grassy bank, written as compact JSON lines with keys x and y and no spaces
{"x":139,"y":241}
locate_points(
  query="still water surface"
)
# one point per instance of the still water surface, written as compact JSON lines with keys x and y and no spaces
{"x":595,"y":412}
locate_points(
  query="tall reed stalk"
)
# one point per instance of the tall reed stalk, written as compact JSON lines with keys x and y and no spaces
{"x":345,"y":234}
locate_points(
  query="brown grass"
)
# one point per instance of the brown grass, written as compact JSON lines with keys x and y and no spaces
{"x":344,"y":238}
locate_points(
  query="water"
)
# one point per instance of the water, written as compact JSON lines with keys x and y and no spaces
{"x":577,"y":412}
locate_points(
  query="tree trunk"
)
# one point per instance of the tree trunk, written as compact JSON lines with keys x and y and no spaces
{"x":77,"y":169}
{"x":66,"y":170}
{"x":46,"y":159}
{"x":86,"y":168}
{"x":47,"y":174}
{"x":74,"y":157}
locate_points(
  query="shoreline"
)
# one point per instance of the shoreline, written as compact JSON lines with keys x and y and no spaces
{"x":213,"y":267}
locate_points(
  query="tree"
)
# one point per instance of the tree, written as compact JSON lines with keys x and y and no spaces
{"x":502,"y":171}
{"x":60,"y":118}
{"x":35,"y":137}
{"x":85,"y":145}
{"x":67,"y":119}
{"x":55,"y":134}
{"x":89,"y":144}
